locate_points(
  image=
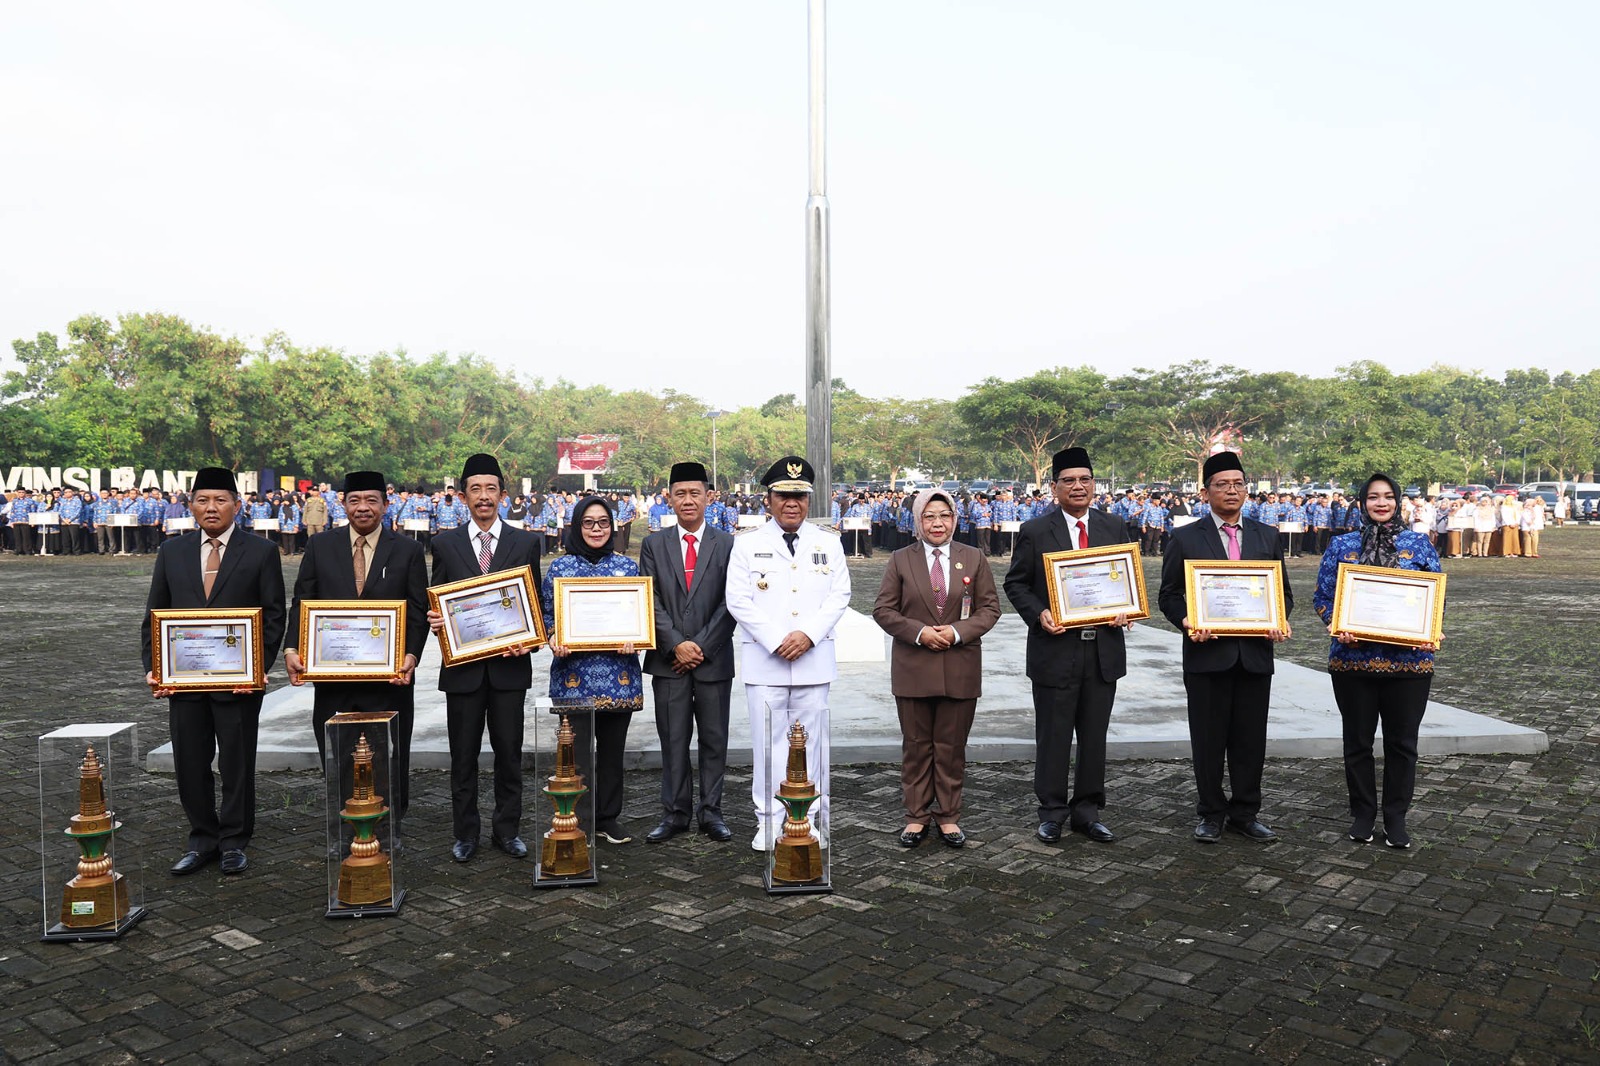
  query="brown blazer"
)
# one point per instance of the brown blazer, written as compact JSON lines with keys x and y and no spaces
{"x":905,"y":605}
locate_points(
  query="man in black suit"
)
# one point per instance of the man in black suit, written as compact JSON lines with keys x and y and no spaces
{"x":691,"y":666}
{"x":216,"y":566}
{"x":1228,"y":679}
{"x":1074,"y":670}
{"x":367,"y":562}
{"x":487,"y":691}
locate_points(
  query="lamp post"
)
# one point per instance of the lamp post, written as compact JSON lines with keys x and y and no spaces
{"x":714,"y":414}
{"x":1114,"y":407}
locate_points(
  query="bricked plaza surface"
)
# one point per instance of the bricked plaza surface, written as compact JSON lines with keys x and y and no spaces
{"x":1481,"y":945}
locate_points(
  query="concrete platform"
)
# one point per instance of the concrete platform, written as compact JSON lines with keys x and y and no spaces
{"x":1149,"y":722}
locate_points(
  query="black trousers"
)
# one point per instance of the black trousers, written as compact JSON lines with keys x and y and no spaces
{"x":1364,"y":700}
{"x":22,"y":538}
{"x":1081,"y":708}
{"x":203,"y":728}
{"x":685,"y":706}
{"x":610,"y":745}
{"x":1228,"y":721}
{"x":374,"y":697}
{"x":466,"y":714}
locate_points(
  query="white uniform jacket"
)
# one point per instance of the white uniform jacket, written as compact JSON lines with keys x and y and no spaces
{"x":771,"y":594}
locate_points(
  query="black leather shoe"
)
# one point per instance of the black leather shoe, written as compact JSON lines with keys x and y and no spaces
{"x":234,"y":862}
{"x":716,"y":829}
{"x":1361,"y":830}
{"x":191,"y":862}
{"x":909,"y":839}
{"x":957,"y":839}
{"x":1255,"y":829}
{"x":1208,"y":831}
{"x":664,"y":832}
{"x":513,"y":847}
{"x":1049,"y":832}
{"x":613,"y":834}
{"x":1098,"y":832}
{"x":463,"y":850}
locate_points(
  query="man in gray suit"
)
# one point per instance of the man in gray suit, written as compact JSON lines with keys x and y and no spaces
{"x":691,"y":666}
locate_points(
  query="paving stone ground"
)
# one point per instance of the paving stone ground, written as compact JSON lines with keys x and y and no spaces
{"x":1481,"y":945}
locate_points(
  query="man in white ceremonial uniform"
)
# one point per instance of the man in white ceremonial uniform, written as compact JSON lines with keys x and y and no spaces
{"x":788,"y":586}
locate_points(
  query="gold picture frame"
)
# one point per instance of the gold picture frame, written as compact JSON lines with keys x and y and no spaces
{"x":1235,"y":598}
{"x":208,"y":650}
{"x":1389,"y":606}
{"x":473,"y":627}
{"x":1092,"y":586}
{"x":352,"y":640}
{"x":605,"y":613}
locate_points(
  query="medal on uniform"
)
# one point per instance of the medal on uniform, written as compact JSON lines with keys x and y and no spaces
{"x":761,"y":582}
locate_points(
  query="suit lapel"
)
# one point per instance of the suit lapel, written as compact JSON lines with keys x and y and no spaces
{"x":1056,"y":526}
{"x":1213,"y":538}
{"x":674,"y":546}
{"x":375,"y":565}
{"x":917,"y":564}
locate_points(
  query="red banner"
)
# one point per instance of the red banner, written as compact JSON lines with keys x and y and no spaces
{"x":587,"y":453}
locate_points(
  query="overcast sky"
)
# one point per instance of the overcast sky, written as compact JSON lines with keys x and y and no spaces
{"x":614,"y":192}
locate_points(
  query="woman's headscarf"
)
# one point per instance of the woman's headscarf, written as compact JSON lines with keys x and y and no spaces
{"x":575,"y":544}
{"x":1377,"y":538}
{"x":919,"y":503}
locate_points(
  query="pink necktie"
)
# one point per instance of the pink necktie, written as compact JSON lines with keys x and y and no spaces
{"x":486,"y":553}
{"x":936,"y":576}
{"x":1232,"y":533}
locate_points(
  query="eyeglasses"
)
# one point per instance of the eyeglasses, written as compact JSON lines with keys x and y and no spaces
{"x":596,"y":523}
{"x":1227,"y":486}
{"x":937,"y":516}
{"x":1089,"y":480}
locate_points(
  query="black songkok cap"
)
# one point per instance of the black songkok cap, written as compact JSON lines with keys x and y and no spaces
{"x":482,"y":463}
{"x":688,"y":472}
{"x":1069,"y":458}
{"x":791,"y":474}
{"x":1219,"y":462}
{"x":214,"y":477}
{"x":365,"y":481}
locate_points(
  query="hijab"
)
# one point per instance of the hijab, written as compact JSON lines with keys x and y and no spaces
{"x":919,"y":503}
{"x":576,"y":545}
{"x":1377,"y":538}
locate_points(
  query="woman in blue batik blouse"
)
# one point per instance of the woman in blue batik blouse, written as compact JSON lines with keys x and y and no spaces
{"x":608,"y":679}
{"x":1371,"y":681}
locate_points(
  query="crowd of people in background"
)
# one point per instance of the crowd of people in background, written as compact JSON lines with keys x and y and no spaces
{"x":1477,"y":525}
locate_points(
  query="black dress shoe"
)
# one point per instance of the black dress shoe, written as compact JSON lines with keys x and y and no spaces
{"x":1396,"y":836}
{"x":463,"y":850}
{"x":613,"y":834}
{"x":1049,"y":832}
{"x":716,"y":829}
{"x":192,"y":861}
{"x":910,"y":839}
{"x":957,"y":839}
{"x":513,"y":847}
{"x":1098,"y":832}
{"x":1361,"y":830}
{"x":1208,"y":831}
{"x":1255,"y":829}
{"x":234,"y":862}
{"x":664,"y":832}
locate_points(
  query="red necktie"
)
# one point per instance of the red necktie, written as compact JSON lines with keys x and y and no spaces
{"x":689,"y":558}
{"x":1083,"y":532}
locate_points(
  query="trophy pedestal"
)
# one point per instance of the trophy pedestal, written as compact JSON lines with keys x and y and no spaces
{"x":92,"y":873}
{"x":563,"y":761}
{"x":363,"y":870}
{"x":797,"y":862}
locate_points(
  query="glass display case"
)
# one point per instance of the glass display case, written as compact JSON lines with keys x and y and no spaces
{"x":563,"y":766}
{"x":363,"y":846}
{"x":90,"y":854}
{"x":798,"y":856}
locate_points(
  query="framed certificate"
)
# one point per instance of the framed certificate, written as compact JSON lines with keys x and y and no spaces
{"x":207,"y":650}
{"x":484,"y":616}
{"x":1404,"y":607}
{"x":1242,"y":598}
{"x":1091,"y":586}
{"x":604,"y":613}
{"x":352,"y":640}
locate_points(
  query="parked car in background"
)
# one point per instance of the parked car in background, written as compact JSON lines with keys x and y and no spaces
{"x":982,"y":485}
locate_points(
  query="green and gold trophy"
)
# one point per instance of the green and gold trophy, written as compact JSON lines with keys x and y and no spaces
{"x":364,"y":876}
{"x":565,"y":854}
{"x":797,"y":857}
{"x":96,"y":898}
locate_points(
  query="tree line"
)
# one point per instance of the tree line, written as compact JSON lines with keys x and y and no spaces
{"x":154,"y":390}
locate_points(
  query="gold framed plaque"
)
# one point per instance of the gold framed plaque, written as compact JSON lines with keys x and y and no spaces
{"x":484,"y":616}
{"x":1235,"y":598}
{"x":1091,"y":586}
{"x":207,"y":650}
{"x":604,"y":613}
{"x":1404,"y":607}
{"x":352,"y":640}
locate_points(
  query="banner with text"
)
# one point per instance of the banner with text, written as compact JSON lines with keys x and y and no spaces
{"x":587,"y":453}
